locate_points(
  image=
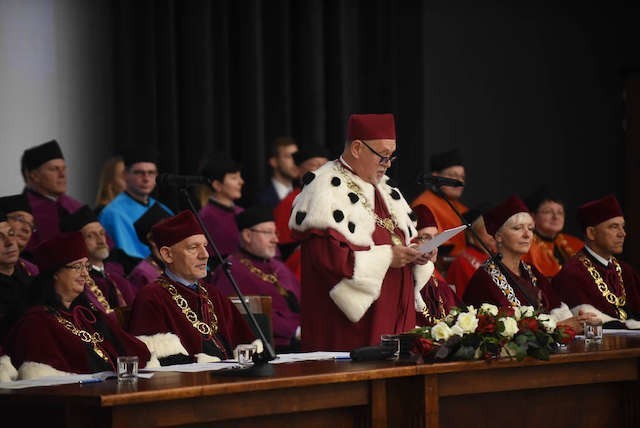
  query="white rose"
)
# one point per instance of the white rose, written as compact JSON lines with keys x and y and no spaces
{"x":467,"y":321}
{"x":489,"y":309}
{"x":440,"y":331}
{"x":457,"y":331}
{"x":510,"y":327}
{"x":472,"y":310}
{"x":526,"y":311}
{"x":451,"y":316}
{"x":516,"y":313}
{"x":548,"y":322}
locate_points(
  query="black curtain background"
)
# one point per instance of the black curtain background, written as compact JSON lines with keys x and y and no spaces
{"x":531,"y":95}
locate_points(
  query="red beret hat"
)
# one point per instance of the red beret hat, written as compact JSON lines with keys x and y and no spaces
{"x":59,"y":251}
{"x":425,"y":217}
{"x":497,"y":216}
{"x":595,"y":212}
{"x":371,"y":127}
{"x":174,"y":229}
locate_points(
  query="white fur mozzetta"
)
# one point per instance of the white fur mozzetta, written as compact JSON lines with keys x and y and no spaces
{"x":561,"y":313}
{"x":163,"y":345}
{"x":7,"y":371}
{"x":630,"y":323}
{"x":32,"y":370}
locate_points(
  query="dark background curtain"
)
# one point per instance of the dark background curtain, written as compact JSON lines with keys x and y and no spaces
{"x":531,"y":95}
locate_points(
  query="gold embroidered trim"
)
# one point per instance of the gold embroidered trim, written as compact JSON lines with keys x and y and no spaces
{"x":84,"y":335}
{"x":433,"y":319}
{"x":266,"y":277}
{"x":93,"y":287}
{"x":389,"y":223}
{"x":617,"y":301}
{"x":202,"y":327}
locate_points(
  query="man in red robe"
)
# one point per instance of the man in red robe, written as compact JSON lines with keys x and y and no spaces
{"x":207,"y":324}
{"x":448,"y":165}
{"x":594,"y":279}
{"x":357,"y":266}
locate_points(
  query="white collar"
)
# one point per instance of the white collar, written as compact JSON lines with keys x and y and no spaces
{"x":601,"y":259}
{"x":281,"y":189}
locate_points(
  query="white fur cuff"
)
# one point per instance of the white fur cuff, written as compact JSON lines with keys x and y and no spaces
{"x":421,"y":275}
{"x":32,"y":370}
{"x":355,"y":295}
{"x":163,"y":344}
{"x":561,"y":313}
{"x":7,"y":371}
{"x":206,"y":358}
{"x":630,"y":323}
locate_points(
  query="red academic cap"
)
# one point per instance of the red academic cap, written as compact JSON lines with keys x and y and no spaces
{"x":425,"y":217}
{"x":497,"y":216}
{"x":174,"y":229}
{"x":371,"y":127}
{"x":59,"y":251}
{"x":595,"y":212}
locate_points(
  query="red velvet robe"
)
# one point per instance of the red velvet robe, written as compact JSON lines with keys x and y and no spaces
{"x":463,"y":267}
{"x":110,"y":283}
{"x":155,"y":311}
{"x":482,"y":289}
{"x":327,"y":258}
{"x":575,"y":285}
{"x":439,"y":298}
{"x":39,"y":337}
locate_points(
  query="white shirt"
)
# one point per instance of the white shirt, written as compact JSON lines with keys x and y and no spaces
{"x":601,"y":259}
{"x":281,"y":189}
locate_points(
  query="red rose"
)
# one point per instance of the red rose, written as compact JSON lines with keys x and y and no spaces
{"x":506,"y":311}
{"x":486,"y":324}
{"x":422,"y":346}
{"x":529,"y":324}
{"x":567,"y":334}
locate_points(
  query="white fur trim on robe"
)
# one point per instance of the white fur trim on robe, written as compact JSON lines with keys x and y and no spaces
{"x":561,"y":313}
{"x":421,"y":275}
{"x":206,"y":358}
{"x":630,"y":323}
{"x":7,"y":371}
{"x":163,"y":345}
{"x":356,"y":294}
{"x":32,"y":370}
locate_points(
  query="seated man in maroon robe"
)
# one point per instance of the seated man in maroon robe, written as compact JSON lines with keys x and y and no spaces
{"x":437,"y":294}
{"x":594,"y":279}
{"x":358,"y":267}
{"x":18,"y":212}
{"x":179,"y":301}
{"x":105,"y":283}
{"x":62,"y":332}
{"x":258,"y":272}
{"x":45,"y":174}
{"x":150,"y":268}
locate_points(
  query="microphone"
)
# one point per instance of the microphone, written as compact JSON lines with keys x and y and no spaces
{"x":181,"y":180}
{"x":437,"y":181}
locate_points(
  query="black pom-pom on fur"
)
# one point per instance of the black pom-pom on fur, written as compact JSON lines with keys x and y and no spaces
{"x":395,"y":195}
{"x":338,"y":216}
{"x":336,"y":181}
{"x":352,"y":227}
{"x":300,"y":215}
{"x":353,"y":197}
{"x":308,"y":178}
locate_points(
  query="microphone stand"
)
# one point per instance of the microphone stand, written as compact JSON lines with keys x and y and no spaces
{"x":496,"y":257}
{"x":261,"y":366}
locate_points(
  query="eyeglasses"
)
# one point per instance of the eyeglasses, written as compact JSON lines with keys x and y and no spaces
{"x":78,"y":267}
{"x":21,"y":219}
{"x":266,"y":232}
{"x":383,"y":159}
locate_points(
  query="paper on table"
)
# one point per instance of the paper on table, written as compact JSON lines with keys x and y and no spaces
{"x":440,"y":238}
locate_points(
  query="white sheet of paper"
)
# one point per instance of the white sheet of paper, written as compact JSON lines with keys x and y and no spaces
{"x":439,"y":239}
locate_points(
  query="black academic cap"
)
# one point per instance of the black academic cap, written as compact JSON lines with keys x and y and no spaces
{"x":540,"y":195}
{"x":12,"y":203}
{"x":305,"y":153}
{"x":33,"y":157}
{"x":440,"y":161}
{"x":139,"y":153}
{"x":77,"y":220}
{"x":219,"y":165}
{"x":147,"y":220}
{"x":3,"y":217}
{"x":254,"y":215}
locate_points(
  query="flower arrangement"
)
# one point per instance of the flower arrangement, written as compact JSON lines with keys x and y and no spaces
{"x":491,"y":332}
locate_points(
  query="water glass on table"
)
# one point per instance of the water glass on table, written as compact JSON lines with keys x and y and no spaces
{"x":127,"y":369}
{"x":392,"y":343}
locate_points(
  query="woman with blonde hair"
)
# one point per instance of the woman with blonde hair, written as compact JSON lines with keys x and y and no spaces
{"x":111,"y":182}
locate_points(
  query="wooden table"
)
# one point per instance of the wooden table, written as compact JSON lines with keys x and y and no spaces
{"x":585,"y":388}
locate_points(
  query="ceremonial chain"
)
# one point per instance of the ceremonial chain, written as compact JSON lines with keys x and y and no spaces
{"x":389,"y":223}
{"x":431,"y":319}
{"x":84,"y":335}
{"x":501,"y":281}
{"x":204,"y":328}
{"x":266,"y":277}
{"x":99,"y":295}
{"x":618,"y":302}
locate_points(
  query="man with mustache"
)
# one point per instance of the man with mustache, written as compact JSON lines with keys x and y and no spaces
{"x":594,"y":279}
{"x":106,"y":286}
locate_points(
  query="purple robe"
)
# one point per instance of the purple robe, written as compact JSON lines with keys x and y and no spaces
{"x":220,"y":222}
{"x":285,"y":316}
{"x":115,"y":287}
{"x":144,"y":273}
{"x":27,"y":267}
{"x":46,"y":213}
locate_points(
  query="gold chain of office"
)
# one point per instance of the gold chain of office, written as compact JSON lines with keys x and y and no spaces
{"x":93,"y":287}
{"x":202,"y":327}
{"x":617,"y":301}
{"x":84,"y":335}
{"x":271,"y":278}
{"x":389,"y":223}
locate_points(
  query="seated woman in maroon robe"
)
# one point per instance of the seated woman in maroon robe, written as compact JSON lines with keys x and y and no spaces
{"x":62,"y":332}
{"x":512,"y":282}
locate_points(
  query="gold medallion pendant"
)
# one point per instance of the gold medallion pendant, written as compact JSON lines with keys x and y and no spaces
{"x":623,"y":314}
{"x":395,"y":239}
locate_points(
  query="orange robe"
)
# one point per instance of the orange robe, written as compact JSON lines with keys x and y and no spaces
{"x":548,"y":256}
{"x":445,"y":217}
